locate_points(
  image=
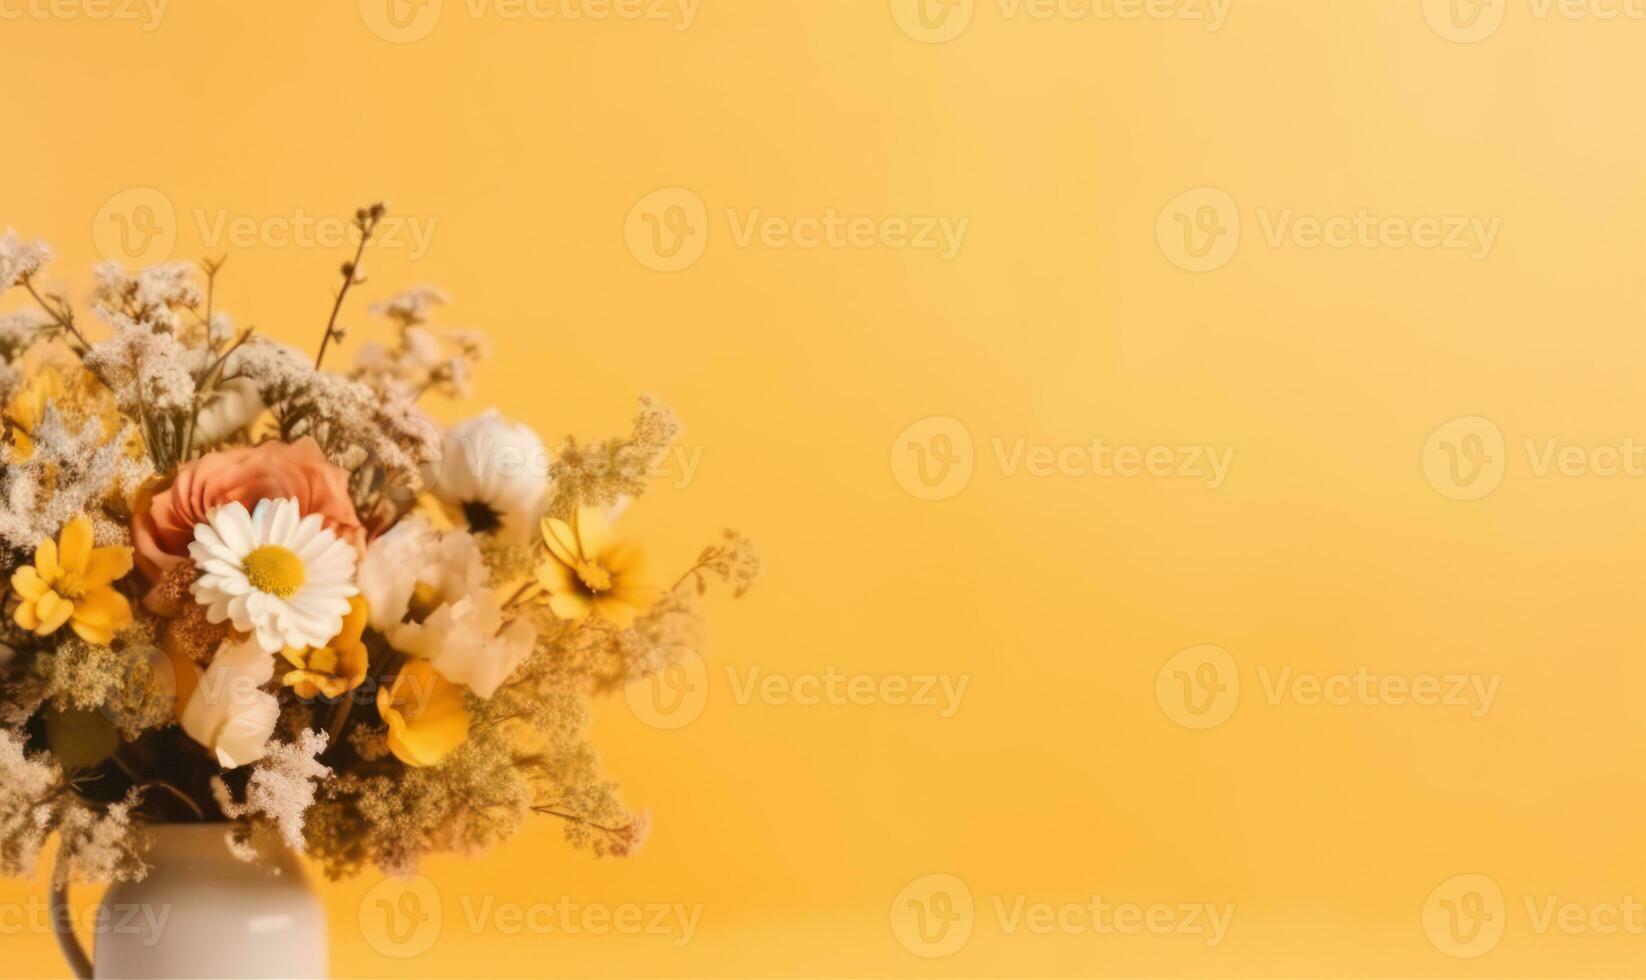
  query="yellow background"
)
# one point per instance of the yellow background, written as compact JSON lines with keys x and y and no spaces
{"x":1061,"y":319}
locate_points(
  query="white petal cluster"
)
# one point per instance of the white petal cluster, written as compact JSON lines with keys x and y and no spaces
{"x":464,"y":634}
{"x":228,"y":711}
{"x":494,"y":477}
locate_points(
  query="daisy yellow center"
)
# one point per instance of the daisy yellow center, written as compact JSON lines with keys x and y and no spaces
{"x":275,"y":570}
{"x":593,"y":577}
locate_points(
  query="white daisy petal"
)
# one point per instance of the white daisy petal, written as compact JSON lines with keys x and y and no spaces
{"x":284,"y":524}
{"x":233,"y":527}
{"x":260,"y":516}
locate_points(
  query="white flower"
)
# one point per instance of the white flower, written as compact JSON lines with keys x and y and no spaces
{"x":232,"y":406}
{"x":469,"y":642}
{"x":493,"y":477}
{"x":228,"y":711}
{"x":410,"y":305}
{"x":20,"y":259}
{"x":273,"y":572}
{"x":461,"y":630}
{"x":413,"y":560}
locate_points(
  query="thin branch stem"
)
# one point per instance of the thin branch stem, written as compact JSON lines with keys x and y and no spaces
{"x":549,"y":810}
{"x":366,"y":220}
{"x":61,"y":314}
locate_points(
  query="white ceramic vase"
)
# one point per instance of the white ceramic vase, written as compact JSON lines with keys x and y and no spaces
{"x":203,"y":912}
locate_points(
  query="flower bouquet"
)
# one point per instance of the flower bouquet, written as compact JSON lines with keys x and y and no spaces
{"x":246,"y":589}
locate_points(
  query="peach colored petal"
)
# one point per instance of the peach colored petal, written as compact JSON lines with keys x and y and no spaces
{"x":166,"y":512}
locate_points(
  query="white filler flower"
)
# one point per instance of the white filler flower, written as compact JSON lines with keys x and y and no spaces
{"x":274,"y":573}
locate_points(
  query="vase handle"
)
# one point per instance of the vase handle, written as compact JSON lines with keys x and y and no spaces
{"x":62,"y":923}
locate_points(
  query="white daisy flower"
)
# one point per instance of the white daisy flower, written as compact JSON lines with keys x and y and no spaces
{"x":274,"y":573}
{"x":493,"y":477}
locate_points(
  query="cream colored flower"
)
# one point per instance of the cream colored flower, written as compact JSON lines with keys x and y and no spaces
{"x":587,"y":572}
{"x":428,"y":597}
{"x":233,"y":405}
{"x":469,"y":641}
{"x":274,"y":573}
{"x":72,"y":582}
{"x":226,"y":709}
{"x":494,"y":477}
{"x":412,"y":568}
{"x":425,"y":713}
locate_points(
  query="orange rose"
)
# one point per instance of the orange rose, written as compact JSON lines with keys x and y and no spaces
{"x":165,"y":513}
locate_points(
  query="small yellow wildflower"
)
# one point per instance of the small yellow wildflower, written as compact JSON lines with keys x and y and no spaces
{"x":588,"y":572}
{"x":72,"y":582}
{"x":27,"y":407}
{"x":338,"y":667}
{"x":77,"y":395}
{"x":425,"y":714}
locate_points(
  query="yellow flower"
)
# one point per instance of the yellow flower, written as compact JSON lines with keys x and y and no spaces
{"x":27,"y":407}
{"x":77,"y":395}
{"x":425,"y":714}
{"x":72,"y":582}
{"x":587,"y":572}
{"x":336,"y":668}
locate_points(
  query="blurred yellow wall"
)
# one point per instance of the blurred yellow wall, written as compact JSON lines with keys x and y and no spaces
{"x":889,"y":262}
